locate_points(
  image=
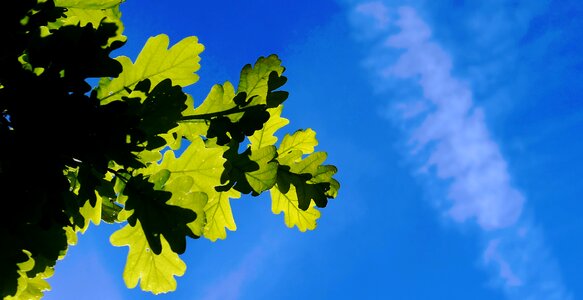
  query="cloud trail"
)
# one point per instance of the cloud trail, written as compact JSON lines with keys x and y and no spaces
{"x":453,"y":133}
{"x":463,"y":151}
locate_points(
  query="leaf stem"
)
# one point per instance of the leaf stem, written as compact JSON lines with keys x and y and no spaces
{"x":208,"y":116}
{"x":118,"y":174}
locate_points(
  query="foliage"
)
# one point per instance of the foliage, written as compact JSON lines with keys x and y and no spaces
{"x":135,"y":149}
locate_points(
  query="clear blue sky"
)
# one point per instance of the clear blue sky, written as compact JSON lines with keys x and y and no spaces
{"x":456,"y":127}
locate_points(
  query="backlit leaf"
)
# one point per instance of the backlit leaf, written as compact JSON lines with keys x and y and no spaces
{"x":91,"y":213}
{"x":293,"y":216}
{"x":156,"y":62}
{"x":204,"y":165}
{"x":219,"y":215}
{"x":266,"y":136}
{"x":220,"y":98}
{"x":93,"y":11}
{"x":155,"y":273}
{"x":88,"y":4}
{"x":254,"y":80}
{"x":31,"y":288}
{"x":182,"y":196}
{"x":263,"y":178}
{"x":159,"y":218}
{"x":293,"y":146}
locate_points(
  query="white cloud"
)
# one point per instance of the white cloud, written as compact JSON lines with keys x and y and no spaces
{"x":377,"y":10}
{"x":492,"y":255}
{"x":462,"y":154}
{"x":462,"y":148}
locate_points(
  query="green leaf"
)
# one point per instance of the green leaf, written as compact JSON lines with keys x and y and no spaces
{"x":225,"y":130}
{"x":158,"y":218}
{"x":88,"y":4}
{"x":266,"y":136}
{"x":91,"y":213}
{"x":92,"y":11}
{"x":311,"y":180}
{"x":230,"y":116}
{"x":293,"y":215}
{"x":31,"y":288}
{"x":110,"y":210}
{"x":250,"y":171}
{"x":191,"y":130}
{"x":254,"y":80}
{"x":159,"y":112}
{"x":306,"y":191}
{"x":204,"y":165}
{"x":182,"y":196}
{"x":308,"y":165}
{"x":156,"y":62}
{"x":264,"y":178}
{"x":324,"y":173}
{"x":154,"y":272}
{"x":220,"y":98}
{"x":293,"y":146}
{"x":219,"y":215}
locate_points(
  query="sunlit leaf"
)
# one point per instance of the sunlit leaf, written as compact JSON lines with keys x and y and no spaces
{"x":266,"y":136}
{"x":150,"y":206}
{"x":293,"y":215}
{"x":155,"y":273}
{"x":155,"y":62}
{"x":219,"y":215}
{"x":91,"y":213}
{"x":182,"y":196}
{"x":204,"y":165}
{"x":263,"y":178}
{"x":293,"y":146}
{"x":31,"y":288}
{"x":92,"y":11}
{"x":219,"y":99}
{"x":88,"y":4}
{"x":254,"y":80}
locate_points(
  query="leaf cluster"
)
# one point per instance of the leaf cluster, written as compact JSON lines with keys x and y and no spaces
{"x":134,"y":149}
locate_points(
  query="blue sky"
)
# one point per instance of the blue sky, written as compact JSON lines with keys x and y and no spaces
{"x":455,"y":126}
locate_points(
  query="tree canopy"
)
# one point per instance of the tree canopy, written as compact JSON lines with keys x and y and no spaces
{"x":135,"y":148}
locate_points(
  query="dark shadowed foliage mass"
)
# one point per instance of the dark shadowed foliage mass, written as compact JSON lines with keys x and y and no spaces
{"x":134,"y":149}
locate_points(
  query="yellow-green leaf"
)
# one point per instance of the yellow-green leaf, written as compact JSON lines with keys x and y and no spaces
{"x":293,"y":146}
{"x":264,"y":178}
{"x":154,"y":272}
{"x":91,"y":11}
{"x":220,"y":98}
{"x":31,"y":288}
{"x":191,"y":130}
{"x":219,"y":215}
{"x":88,"y":4}
{"x":204,"y":165}
{"x":266,"y":136}
{"x":155,"y":62}
{"x":310,"y":164}
{"x":91,"y":213}
{"x":182,"y":196}
{"x":254,"y":79}
{"x":293,"y":215}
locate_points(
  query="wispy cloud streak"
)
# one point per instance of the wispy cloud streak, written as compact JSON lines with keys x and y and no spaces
{"x":463,"y":151}
{"x":453,"y":132}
